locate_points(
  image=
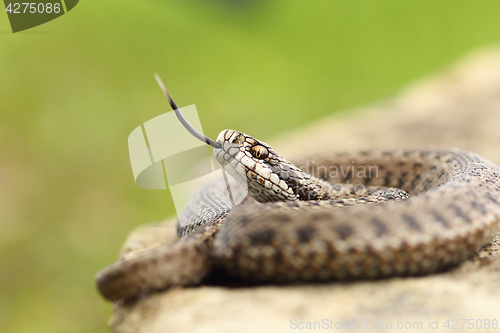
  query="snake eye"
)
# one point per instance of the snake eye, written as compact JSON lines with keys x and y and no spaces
{"x":259,"y":152}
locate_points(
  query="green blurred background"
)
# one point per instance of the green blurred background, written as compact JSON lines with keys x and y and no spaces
{"x":73,"y":89}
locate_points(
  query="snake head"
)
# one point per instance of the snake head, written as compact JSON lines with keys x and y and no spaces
{"x":267,"y":176}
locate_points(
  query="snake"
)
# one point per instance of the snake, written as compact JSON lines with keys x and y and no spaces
{"x":340,"y":216}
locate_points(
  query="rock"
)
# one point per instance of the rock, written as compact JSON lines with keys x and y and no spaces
{"x":458,"y":108}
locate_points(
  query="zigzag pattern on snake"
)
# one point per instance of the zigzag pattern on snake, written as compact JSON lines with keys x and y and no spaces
{"x":416,"y":212}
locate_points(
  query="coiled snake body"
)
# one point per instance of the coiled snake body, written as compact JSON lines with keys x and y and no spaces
{"x":416,"y":212}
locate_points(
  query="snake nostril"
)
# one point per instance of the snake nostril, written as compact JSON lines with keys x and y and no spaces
{"x":238,"y":139}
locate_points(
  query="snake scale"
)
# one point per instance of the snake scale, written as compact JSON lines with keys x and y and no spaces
{"x":341,"y":216}
{"x":293,"y":229}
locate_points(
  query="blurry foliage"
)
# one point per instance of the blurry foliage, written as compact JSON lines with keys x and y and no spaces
{"x":73,"y":89}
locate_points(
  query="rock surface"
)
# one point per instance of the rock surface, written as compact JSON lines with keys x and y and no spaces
{"x":458,"y":108}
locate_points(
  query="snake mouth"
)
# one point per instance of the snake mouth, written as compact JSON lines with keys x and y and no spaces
{"x":231,"y":144}
{"x":222,"y":135}
{"x":253,"y":164}
{"x":230,"y":154}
